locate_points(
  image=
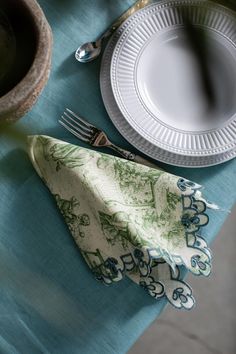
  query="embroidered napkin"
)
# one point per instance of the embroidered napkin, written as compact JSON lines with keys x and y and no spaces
{"x":127,"y":218}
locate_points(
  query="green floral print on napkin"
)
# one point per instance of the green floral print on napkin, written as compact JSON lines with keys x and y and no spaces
{"x":126,"y":218}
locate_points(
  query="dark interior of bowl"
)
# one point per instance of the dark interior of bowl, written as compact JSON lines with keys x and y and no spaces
{"x":18,"y":43}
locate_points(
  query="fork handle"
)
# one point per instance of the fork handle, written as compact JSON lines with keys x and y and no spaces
{"x":122,"y":152}
{"x":133,"y":157}
{"x":143,"y":161}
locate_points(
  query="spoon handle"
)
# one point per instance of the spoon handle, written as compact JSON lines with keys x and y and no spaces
{"x":137,"y":6}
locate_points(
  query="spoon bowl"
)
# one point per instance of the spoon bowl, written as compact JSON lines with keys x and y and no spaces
{"x":91,"y":50}
{"x":88,"y":51}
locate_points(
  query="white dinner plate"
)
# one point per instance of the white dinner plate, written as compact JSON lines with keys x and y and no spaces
{"x":133,"y":137}
{"x":173,"y":76}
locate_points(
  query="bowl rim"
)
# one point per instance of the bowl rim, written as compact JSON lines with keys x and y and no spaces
{"x":13,"y":98}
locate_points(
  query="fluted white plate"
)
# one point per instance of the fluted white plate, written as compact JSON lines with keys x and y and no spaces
{"x":173,"y":76}
{"x":133,"y":137}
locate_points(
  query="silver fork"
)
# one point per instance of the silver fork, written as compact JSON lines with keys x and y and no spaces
{"x":93,"y":136}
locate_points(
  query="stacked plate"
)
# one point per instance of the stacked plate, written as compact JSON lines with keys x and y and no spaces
{"x":168,"y":81}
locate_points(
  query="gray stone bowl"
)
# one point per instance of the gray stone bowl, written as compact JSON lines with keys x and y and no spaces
{"x":25,"y":56}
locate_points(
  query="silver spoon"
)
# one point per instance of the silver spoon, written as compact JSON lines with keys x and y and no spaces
{"x":91,"y":50}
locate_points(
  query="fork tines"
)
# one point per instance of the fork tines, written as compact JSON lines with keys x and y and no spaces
{"x":77,"y":125}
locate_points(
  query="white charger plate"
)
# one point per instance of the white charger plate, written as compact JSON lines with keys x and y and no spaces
{"x":173,"y":76}
{"x":133,"y":137}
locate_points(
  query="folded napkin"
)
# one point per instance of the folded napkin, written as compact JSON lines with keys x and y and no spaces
{"x":126,"y":218}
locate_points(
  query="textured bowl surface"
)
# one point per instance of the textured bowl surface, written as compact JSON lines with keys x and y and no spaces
{"x":25,"y":56}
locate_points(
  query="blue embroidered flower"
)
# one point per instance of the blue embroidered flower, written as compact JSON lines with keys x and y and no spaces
{"x":197,"y":262}
{"x":154,"y":288}
{"x":188,"y":220}
{"x":147,"y":287}
{"x":111,"y":265}
{"x":100,"y":276}
{"x":144,"y":267}
{"x":109,"y":271}
{"x":179,"y":293}
{"x":184,"y":184}
{"x":193,"y":220}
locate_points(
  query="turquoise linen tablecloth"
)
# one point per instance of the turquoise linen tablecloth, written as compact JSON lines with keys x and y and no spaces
{"x":49,"y":300}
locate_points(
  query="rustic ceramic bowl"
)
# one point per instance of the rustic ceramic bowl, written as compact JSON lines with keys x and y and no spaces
{"x":25,"y":56}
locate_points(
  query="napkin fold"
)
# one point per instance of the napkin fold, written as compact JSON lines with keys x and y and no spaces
{"x":127,"y":218}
